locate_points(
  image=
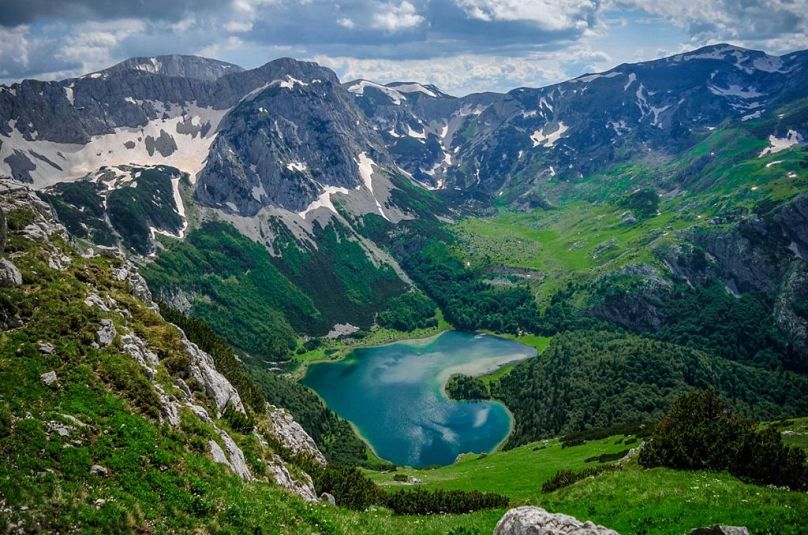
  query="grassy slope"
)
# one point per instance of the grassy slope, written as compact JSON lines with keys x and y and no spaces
{"x":586,"y":237}
{"x":631,"y":500}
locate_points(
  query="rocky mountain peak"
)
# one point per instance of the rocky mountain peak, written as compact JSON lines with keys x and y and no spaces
{"x":177,"y":65}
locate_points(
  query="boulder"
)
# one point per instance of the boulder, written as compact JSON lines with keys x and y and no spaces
{"x":49,"y":377}
{"x":531,"y":520}
{"x":328,"y":498}
{"x":98,"y":470}
{"x":9,"y":274}
{"x":46,"y":348}
{"x":106,"y":332}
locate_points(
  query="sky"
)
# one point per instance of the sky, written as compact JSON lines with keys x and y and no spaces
{"x":461,"y":46}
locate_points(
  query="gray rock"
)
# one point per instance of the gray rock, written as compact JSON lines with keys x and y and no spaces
{"x":49,"y":378}
{"x":106,"y":333}
{"x":3,"y":230}
{"x":98,"y":470}
{"x":9,"y":274}
{"x":233,"y":458}
{"x":328,"y":498}
{"x":217,"y":453}
{"x":63,"y":430}
{"x":302,"y":486}
{"x":720,"y":530}
{"x":536,"y":521}
{"x":46,"y":348}
{"x":215,"y":385}
{"x":135,"y":347}
{"x":35,"y":232}
{"x":283,"y":427}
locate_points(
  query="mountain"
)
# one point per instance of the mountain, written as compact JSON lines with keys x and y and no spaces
{"x":177,"y":66}
{"x":646,"y":228}
{"x":534,"y":138}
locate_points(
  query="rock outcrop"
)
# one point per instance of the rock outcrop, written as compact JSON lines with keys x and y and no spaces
{"x":536,"y":521}
{"x":210,"y":393}
{"x":9,"y":274}
{"x":284,"y":428}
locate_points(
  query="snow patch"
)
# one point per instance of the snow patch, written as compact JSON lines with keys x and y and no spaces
{"x":414,"y":133}
{"x":296,"y":166}
{"x":366,"y":164}
{"x":414,"y":88}
{"x":111,"y":150}
{"x":323,"y":201}
{"x":734,"y":91}
{"x":777,"y":144}
{"x":359,"y":89}
{"x":548,"y":140}
{"x":69,"y":94}
{"x":591,"y":77}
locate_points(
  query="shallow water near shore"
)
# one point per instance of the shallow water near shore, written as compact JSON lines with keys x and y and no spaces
{"x":393,"y":395}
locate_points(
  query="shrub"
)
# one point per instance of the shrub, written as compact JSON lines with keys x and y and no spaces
{"x":423,"y":502}
{"x":701,"y":432}
{"x":565,"y":478}
{"x":347,"y":484}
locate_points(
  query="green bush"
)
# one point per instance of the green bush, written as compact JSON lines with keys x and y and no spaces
{"x":701,"y":432}
{"x":565,"y":478}
{"x":424,"y":502}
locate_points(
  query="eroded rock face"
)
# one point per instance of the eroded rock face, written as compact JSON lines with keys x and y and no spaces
{"x":536,"y":521}
{"x":9,"y":274}
{"x":106,"y":333}
{"x":216,"y":386}
{"x":303,"y":486}
{"x":288,"y":432}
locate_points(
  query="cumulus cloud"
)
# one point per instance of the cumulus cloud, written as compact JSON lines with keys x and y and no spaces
{"x":462,"y":45}
{"x":395,"y":17}
{"x":549,"y":14}
{"x":722,"y":20}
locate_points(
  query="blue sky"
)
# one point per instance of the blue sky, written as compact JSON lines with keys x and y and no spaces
{"x":459,"y":45}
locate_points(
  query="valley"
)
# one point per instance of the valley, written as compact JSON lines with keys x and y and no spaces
{"x":310,"y":298}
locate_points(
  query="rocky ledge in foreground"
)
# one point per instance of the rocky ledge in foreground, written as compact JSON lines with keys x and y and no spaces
{"x":537,"y":521}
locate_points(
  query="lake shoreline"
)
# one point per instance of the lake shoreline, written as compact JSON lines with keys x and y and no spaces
{"x":482,"y":364}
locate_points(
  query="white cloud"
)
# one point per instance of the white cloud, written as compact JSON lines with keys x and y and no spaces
{"x":14,"y":49}
{"x":93,"y":45}
{"x":345,"y":22}
{"x":393,"y":18}
{"x":777,"y":25}
{"x":547,"y":14}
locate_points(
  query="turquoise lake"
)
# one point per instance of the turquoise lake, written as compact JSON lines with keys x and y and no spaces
{"x":392,"y":394}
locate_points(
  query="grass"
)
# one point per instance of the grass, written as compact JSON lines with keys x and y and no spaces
{"x":631,"y":500}
{"x":581,"y":239}
{"x":672,"y":502}
{"x":794,"y":431}
{"x":517,"y":473}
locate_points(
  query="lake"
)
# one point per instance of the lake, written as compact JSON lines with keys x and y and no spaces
{"x":392,"y":394}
